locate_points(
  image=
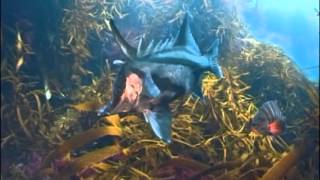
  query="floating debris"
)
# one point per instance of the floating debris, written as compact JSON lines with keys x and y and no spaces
{"x":20,"y":62}
{"x":47,"y":90}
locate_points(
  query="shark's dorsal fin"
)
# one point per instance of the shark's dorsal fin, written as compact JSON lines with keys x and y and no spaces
{"x":213,"y":59}
{"x":185,"y":37}
{"x":128,"y":50}
{"x":153,"y":48}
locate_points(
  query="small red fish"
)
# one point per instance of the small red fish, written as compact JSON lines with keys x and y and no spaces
{"x":269,"y":120}
{"x":276,"y":127}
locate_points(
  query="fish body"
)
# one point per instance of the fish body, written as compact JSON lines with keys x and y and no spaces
{"x":269,"y":120}
{"x":154,"y":77}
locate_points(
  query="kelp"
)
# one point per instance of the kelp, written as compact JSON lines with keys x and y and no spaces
{"x":88,"y":159}
{"x":88,"y":136}
{"x":86,"y":106}
{"x":281,"y":168}
{"x":210,"y":138}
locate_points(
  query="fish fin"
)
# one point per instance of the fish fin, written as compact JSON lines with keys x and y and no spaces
{"x":268,"y":112}
{"x":128,"y":50}
{"x":139,"y":52}
{"x":212,"y":56}
{"x":185,"y":37}
{"x":271,"y":111}
{"x":148,"y":49}
{"x":117,"y":90}
{"x":153,"y":48}
{"x":150,"y":87}
{"x":160,"y":120}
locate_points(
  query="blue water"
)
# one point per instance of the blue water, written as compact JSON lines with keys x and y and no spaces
{"x":292,"y":25}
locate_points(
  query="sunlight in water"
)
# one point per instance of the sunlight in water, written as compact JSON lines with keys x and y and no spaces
{"x":292,"y":25}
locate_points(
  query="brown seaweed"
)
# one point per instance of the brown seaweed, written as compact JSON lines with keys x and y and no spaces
{"x":281,"y":168}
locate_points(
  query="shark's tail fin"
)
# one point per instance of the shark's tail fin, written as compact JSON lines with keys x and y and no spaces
{"x":213,"y":54}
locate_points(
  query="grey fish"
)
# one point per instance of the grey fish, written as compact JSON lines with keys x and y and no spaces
{"x":152,"y":78}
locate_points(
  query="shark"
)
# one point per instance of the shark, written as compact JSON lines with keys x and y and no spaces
{"x":153,"y":77}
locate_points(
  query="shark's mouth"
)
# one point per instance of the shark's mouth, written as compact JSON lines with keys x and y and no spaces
{"x":131,"y":93}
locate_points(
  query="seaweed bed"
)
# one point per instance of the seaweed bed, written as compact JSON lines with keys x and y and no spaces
{"x":60,"y":47}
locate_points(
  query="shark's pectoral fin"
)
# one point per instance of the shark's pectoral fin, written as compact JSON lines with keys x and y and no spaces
{"x":160,"y":120}
{"x":150,"y":88}
{"x":118,"y":88}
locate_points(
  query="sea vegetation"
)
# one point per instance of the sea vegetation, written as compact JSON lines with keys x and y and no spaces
{"x":56,"y":72}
